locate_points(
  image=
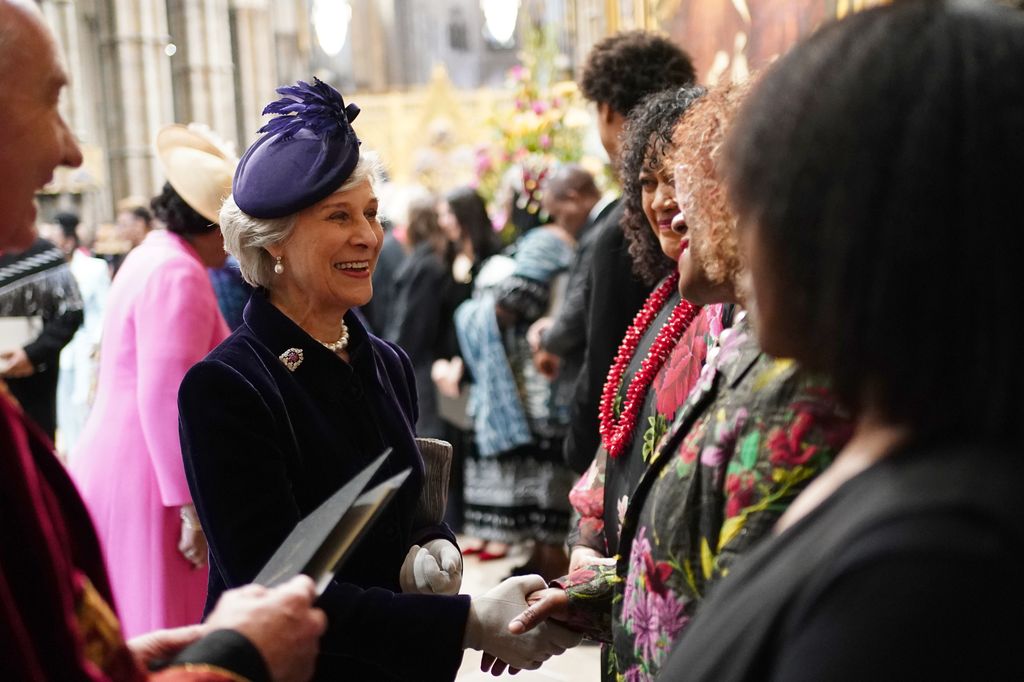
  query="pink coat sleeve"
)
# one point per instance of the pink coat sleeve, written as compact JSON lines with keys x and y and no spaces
{"x":177,"y":322}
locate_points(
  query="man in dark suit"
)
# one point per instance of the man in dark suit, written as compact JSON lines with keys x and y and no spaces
{"x":620,"y":71}
{"x":558,"y":342}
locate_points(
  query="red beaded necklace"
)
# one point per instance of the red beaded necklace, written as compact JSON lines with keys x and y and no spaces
{"x":616,"y":434}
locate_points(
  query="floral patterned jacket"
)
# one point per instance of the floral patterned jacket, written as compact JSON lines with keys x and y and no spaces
{"x":601,"y":495}
{"x":752,"y":434}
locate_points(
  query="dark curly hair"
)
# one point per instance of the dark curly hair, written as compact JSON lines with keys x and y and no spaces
{"x":179,"y":218}
{"x":879,"y":164}
{"x":647,"y":139}
{"x":624,"y":68}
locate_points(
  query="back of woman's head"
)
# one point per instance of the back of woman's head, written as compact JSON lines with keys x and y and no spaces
{"x":880,"y":164}
{"x":647,"y":144}
{"x":423,"y":225}
{"x":178,"y":216}
{"x":469,"y":209}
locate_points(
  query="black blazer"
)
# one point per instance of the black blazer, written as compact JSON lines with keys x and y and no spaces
{"x":417,"y":327}
{"x":614,"y":295}
{"x":264,"y":445}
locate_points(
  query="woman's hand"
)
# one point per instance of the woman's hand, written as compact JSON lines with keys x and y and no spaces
{"x":552,"y":602}
{"x":163,"y":645}
{"x":14,"y":364}
{"x":488,"y":628}
{"x":192,"y":543}
{"x":583,"y":556}
{"x":447,"y":374}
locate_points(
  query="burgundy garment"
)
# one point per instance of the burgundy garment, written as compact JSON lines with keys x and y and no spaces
{"x":47,"y":547}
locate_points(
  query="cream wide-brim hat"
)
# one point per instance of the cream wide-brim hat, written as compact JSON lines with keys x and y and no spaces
{"x":199,"y":169}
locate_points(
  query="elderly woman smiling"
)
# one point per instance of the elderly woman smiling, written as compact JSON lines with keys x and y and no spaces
{"x":300,"y":398}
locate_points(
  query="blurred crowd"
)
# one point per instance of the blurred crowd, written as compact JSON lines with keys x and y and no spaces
{"x":749,"y":413}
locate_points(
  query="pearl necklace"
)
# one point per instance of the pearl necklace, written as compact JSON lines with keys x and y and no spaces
{"x":339,"y":345}
{"x":617,"y":433}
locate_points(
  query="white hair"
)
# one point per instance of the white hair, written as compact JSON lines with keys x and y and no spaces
{"x":247,"y":238}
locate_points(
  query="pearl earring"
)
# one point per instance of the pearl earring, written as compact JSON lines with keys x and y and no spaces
{"x":278,"y":268}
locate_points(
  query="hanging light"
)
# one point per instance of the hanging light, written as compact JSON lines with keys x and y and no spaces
{"x":330,"y":21}
{"x":500,"y":18}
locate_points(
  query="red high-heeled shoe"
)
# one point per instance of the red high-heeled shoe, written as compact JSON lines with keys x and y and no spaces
{"x":486,"y":554}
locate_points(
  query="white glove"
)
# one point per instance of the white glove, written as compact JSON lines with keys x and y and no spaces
{"x":434,"y":568}
{"x":489,"y":616}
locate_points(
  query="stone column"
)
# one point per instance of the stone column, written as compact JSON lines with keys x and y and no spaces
{"x":255,"y":63}
{"x":202,"y":69}
{"x":293,"y":40}
{"x":136,"y":91}
{"x":84,"y":190}
{"x":368,"y":35}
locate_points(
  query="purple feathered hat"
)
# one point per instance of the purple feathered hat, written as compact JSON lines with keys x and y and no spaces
{"x":306,"y":153}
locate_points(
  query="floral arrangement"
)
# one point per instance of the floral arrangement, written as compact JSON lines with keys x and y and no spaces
{"x":544,"y":124}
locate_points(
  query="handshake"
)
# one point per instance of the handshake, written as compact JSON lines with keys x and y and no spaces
{"x":506,"y":622}
{"x":508,"y":625}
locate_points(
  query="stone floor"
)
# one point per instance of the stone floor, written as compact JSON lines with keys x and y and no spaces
{"x":581,"y":664}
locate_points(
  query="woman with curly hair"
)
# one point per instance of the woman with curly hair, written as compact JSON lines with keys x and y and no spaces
{"x":659,"y":359}
{"x":876,"y":171}
{"x":750,"y":436}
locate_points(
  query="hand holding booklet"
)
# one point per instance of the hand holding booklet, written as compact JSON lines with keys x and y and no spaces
{"x":321,"y":542}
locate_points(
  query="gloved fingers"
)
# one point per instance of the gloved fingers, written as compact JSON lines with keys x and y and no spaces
{"x":450,"y":558}
{"x":498,"y":668}
{"x":406,"y":576}
{"x":553,"y":649}
{"x":431,"y":575}
{"x":526,"y":584}
{"x":446,"y":584}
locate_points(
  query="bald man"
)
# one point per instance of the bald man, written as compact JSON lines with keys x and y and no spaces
{"x":57,"y":620}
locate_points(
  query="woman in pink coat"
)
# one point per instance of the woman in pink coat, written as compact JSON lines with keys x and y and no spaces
{"x":162,"y":317}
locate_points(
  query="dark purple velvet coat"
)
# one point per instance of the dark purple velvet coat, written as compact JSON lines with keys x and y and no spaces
{"x":264,"y":446}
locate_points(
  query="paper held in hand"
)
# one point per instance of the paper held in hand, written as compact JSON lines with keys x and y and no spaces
{"x":321,"y":542}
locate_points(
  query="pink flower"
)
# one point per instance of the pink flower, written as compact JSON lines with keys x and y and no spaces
{"x":582,"y":576}
{"x":725,"y":437}
{"x":635,"y":674}
{"x":590,"y":527}
{"x":545,"y":141}
{"x":682,"y":369}
{"x":539,"y":107}
{"x":656,"y":622}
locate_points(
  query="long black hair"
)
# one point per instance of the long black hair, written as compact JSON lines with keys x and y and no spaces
{"x":469,"y":209}
{"x":879,"y":163}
